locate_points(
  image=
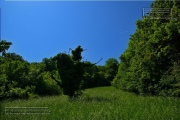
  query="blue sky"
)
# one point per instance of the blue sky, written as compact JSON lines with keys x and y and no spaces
{"x":42,"y":29}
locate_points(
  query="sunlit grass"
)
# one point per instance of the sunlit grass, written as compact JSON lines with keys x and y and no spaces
{"x":104,"y":103}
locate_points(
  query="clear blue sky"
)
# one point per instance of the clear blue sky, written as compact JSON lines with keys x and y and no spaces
{"x":42,"y":29}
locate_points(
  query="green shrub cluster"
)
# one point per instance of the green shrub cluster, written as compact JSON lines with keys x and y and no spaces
{"x":20,"y":79}
{"x":62,"y":73}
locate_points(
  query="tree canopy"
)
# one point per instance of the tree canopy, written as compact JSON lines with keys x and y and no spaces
{"x":4,"y":45}
{"x":148,"y":65}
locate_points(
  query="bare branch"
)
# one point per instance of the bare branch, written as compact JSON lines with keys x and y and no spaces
{"x":98,"y":61}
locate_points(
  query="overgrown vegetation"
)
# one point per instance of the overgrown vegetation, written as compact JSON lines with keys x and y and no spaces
{"x":71,"y":70}
{"x":151,"y":63}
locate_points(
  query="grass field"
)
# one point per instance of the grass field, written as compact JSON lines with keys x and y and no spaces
{"x":103,"y":103}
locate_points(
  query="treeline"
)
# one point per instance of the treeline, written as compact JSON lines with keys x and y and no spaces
{"x":151,"y":63}
{"x":149,"y":66}
{"x":61,"y":74}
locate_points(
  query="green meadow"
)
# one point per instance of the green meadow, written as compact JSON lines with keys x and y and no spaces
{"x":102,"y":103}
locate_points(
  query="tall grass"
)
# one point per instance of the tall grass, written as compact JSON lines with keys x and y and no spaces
{"x":104,"y":103}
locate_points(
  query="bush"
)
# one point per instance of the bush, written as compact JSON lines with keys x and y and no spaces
{"x":18,"y":93}
{"x":46,"y":85}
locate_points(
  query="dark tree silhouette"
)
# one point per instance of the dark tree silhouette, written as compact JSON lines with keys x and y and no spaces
{"x":4,"y":45}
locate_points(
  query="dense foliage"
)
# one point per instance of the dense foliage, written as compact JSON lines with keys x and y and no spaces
{"x":151,"y":63}
{"x":4,"y":45}
{"x":62,"y":73}
{"x":71,"y":72}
